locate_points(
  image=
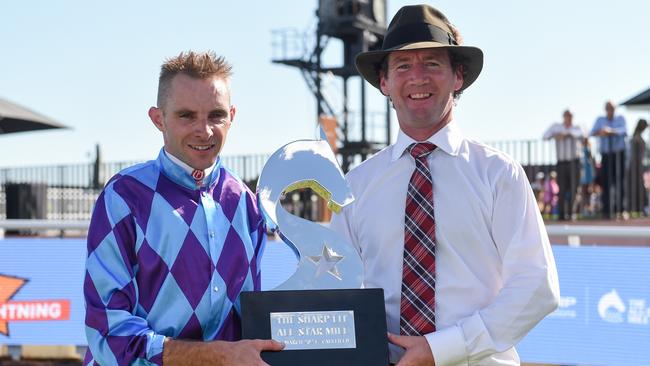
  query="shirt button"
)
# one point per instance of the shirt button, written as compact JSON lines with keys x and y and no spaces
{"x":216,"y":289}
{"x":204,"y":193}
{"x":212,"y":234}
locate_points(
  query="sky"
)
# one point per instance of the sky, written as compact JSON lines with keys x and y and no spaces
{"x":93,"y":66}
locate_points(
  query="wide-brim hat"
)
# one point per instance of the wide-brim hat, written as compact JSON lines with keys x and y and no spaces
{"x":419,"y":27}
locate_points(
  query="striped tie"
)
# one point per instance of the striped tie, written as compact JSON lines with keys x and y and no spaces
{"x":417,"y":306}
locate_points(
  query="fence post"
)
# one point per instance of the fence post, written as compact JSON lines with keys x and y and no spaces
{"x":61,"y":198}
{"x":245,"y":170}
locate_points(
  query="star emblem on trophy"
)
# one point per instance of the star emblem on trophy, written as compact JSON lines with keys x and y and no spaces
{"x":326,"y":262}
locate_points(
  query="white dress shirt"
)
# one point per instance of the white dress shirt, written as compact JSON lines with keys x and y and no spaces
{"x":495,"y":272}
{"x":568,"y":147}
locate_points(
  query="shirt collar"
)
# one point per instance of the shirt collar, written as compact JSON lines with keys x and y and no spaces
{"x":186,"y":167}
{"x":447,"y":139}
{"x":181,"y":173}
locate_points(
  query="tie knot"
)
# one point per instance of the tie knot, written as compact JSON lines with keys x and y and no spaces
{"x":421,"y":149}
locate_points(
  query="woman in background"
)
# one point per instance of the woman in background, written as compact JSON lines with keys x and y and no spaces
{"x":638,"y":196}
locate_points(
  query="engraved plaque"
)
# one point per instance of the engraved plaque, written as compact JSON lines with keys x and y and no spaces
{"x":314,"y":329}
{"x":364,"y":306}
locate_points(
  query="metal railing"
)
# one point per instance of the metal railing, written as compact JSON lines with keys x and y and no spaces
{"x":72,"y":189}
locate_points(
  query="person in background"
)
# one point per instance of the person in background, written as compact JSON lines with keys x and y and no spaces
{"x":611,"y":130}
{"x":538,"y":190}
{"x":447,"y":226}
{"x":174,"y":241}
{"x":568,"y":140}
{"x":646,"y":184}
{"x":637,"y":192}
{"x":551,"y":192}
{"x":587,"y":181}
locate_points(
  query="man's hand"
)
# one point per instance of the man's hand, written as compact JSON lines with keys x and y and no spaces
{"x":605,"y":131}
{"x":418,"y":352}
{"x":221,"y":353}
{"x":247,"y":352}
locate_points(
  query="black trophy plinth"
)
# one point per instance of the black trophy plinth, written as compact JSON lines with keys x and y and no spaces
{"x":366,"y":305}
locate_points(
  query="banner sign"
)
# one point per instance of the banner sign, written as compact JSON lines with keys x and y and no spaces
{"x":603,"y":318}
{"x":41,"y":291}
{"x":604,"y":312}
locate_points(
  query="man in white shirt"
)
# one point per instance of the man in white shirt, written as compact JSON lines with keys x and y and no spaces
{"x":611,"y":130}
{"x":448,"y":227}
{"x":568,"y":150}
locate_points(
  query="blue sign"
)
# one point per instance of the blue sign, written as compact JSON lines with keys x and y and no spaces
{"x":603,"y":318}
{"x":278,"y":263}
{"x":41,"y":291}
{"x":604,"y":312}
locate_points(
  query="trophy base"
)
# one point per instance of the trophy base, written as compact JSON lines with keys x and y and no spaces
{"x":319,"y":327}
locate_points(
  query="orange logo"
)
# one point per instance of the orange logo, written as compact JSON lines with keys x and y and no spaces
{"x":27,"y":310}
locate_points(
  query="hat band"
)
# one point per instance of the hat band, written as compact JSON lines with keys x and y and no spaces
{"x":416,"y":32}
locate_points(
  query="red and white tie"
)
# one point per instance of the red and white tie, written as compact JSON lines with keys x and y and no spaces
{"x":417,"y":305}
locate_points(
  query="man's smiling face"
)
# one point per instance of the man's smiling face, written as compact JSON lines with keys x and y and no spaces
{"x":421,"y":84}
{"x":195,"y":119}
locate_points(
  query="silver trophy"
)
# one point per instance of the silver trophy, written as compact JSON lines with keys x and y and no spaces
{"x":326,"y":260}
{"x":320,"y":312}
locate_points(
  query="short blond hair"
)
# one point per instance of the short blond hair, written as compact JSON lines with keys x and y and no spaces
{"x":200,"y":65}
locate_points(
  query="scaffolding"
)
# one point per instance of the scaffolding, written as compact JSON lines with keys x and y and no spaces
{"x":360,"y":25}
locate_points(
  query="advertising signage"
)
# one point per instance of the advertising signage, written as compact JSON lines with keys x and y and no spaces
{"x":603,"y":317}
{"x":604,"y":312}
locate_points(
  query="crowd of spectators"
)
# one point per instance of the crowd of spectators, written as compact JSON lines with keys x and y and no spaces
{"x":612,"y":184}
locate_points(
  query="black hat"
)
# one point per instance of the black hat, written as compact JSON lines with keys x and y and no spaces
{"x":419,"y":27}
